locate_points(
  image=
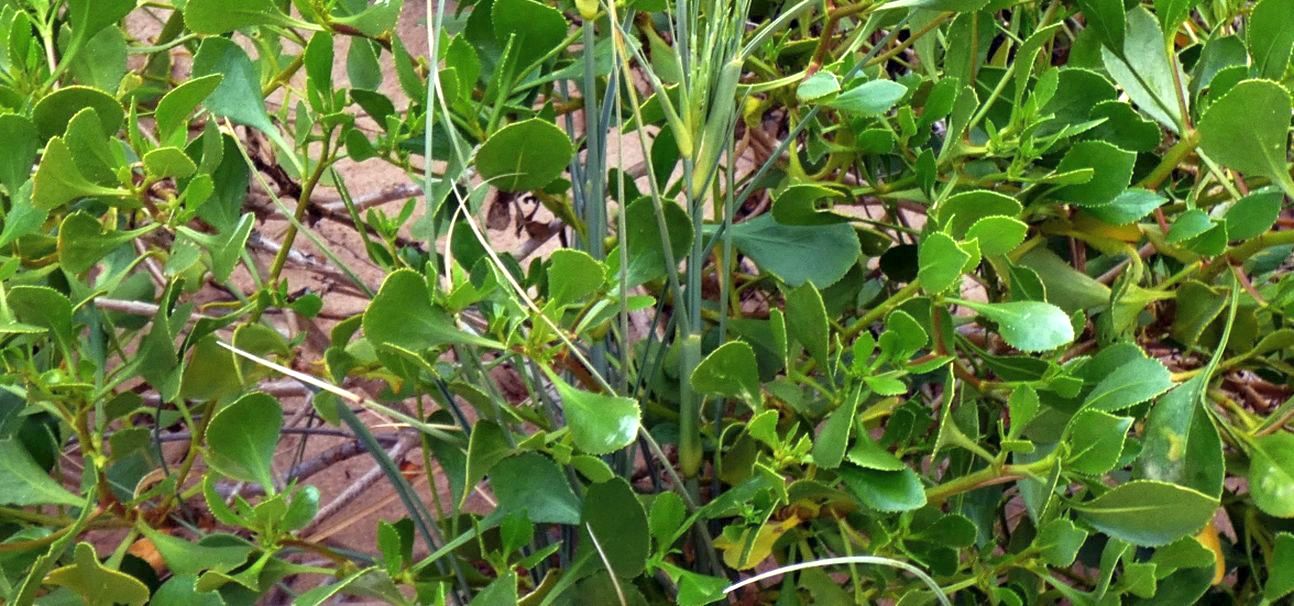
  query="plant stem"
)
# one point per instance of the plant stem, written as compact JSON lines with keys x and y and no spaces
{"x":988,"y":476}
{"x":303,"y":204}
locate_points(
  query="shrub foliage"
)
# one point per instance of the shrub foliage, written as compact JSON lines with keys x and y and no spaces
{"x":974,"y":301}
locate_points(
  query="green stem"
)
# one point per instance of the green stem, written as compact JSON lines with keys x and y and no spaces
{"x":303,"y":203}
{"x":988,"y":476}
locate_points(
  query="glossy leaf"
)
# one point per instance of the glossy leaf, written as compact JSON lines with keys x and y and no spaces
{"x":1280,"y":575}
{"x":1111,"y":173}
{"x":941,"y":262}
{"x":1135,"y":381}
{"x":1270,"y":36}
{"x":1027,"y":325}
{"x":1143,"y":69}
{"x":1271,"y":474}
{"x":1148,"y":513}
{"x":1096,"y":441}
{"x":1248,"y":130}
{"x":600,"y":424}
{"x":869,"y":98}
{"x":886,"y":491}
{"x":997,"y":235}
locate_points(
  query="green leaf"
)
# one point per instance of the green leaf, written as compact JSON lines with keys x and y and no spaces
{"x":90,"y":17}
{"x":1271,"y":474}
{"x":99,"y":162}
{"x":486,"y":446}
{"x":666,"y":518}
{"x":536,"y":28}
{"x":1254,"y":214}
{"x":997,"y":235}
{"x":600,"y":424}
{"x":1106,"y":18}
{"x":58,"y":181}
{"x":960,"y":212}
{"x":1248,"y":130}
{"x":957,"y":6}
{"x":817,"y":86}
{"x":1023,"y":407}
{"x":1067,"y":288}
{"x":798,"y":205}
{"x":22,"y":140}
{"x":903,"y":336}
{"x":1027,"y":325}
{"x":1112,"y":172}
{"x":940,"y":263}
{"x":698,"y":589}
{"x":1124,"y":127}
{"x":82,"y":241}
{"x":210,"y":373}
{"x":796,"y":254}
{"x":647,"y":259}
{"x":1135,"y":381}
{"x":53,"y":113}
{"x":501,"y":592}
{"x":1173,"y":12}
{"x":181,"y":590}
{"x":1059,"y":541}
{"x":1143,"y":70}
{"x":402,"y":314}
{"x":573,"y":276}
{"x":730,"y":370}
{"x":525,"y":155}
{"x":242,"y":436}
{"x":171,"y":162}
{"x":885,"y":491}
{"x":224,"y":16}
{"x":1181,"y":445}
{"x":238,"y":96}
{"x":44,"y":307}
{"x":806,"y":322}
{"x":375,"y":20}
{"x":214,"y":552}
{"x":1148,"y":513}
{"x":1270,"y":36}
{"x":24,"y":483}
{"x":1096,"y":441}
{"x":97,"y":584}
{"x":869,"y":98}
{"x":829,"y":447}
{"x":226,"y":247}
{"x":869,"y":455}
{"x":174,"y":108}
{"x":1128,"y":207}
{"x":614,"y":516}
{"x":1280,"y":574}
{"x":532,"y":483}
{"x":1197,"y":306}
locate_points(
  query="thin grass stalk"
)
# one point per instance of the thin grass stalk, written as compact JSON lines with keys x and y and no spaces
{"x":752,"y":183}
